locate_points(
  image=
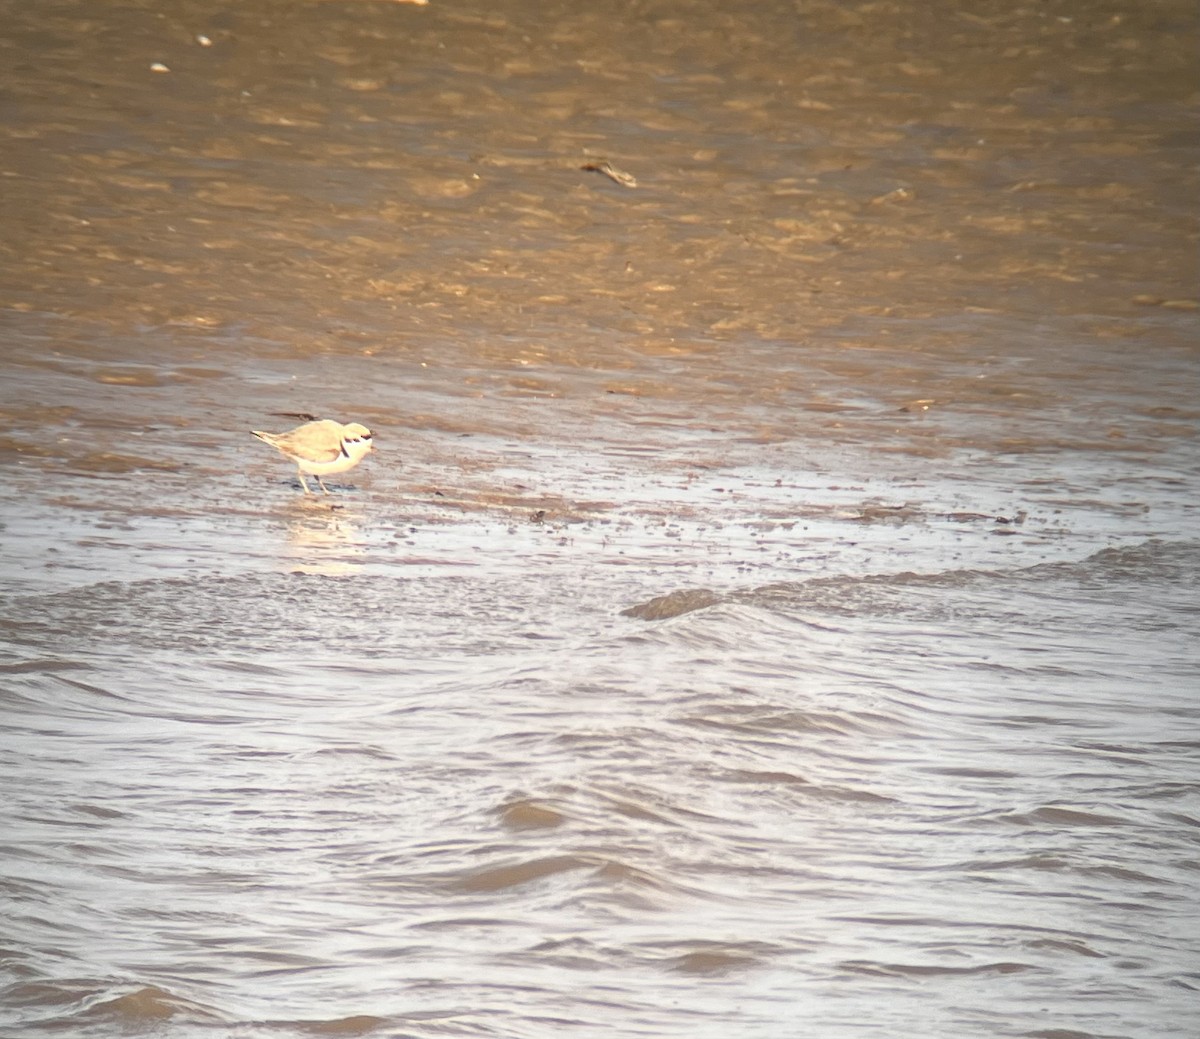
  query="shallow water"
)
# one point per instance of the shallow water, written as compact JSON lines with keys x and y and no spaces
{"x":772,"y":604}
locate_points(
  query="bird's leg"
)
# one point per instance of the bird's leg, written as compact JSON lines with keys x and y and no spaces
{"x":322,"y":483}
{"x":302,"y":482}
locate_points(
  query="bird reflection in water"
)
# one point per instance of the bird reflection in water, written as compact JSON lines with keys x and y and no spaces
{"x":323,"y":539}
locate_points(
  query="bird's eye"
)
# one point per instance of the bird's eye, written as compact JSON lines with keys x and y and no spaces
{"x":367,"y":436}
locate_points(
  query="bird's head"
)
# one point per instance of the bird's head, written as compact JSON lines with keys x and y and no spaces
{"x":357,"y":439}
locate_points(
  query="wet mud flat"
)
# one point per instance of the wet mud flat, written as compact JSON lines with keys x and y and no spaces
{"x":726,"y":500}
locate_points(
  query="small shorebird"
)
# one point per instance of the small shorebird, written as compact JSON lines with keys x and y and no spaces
{"x":321,"y":448}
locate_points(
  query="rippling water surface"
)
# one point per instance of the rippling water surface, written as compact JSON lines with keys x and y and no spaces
{"x":772,"y":606}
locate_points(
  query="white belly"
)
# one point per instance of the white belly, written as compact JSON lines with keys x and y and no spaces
{"x":338,"y":465}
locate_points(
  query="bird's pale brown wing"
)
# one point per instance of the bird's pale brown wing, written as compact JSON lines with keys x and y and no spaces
{"x":316,"y":441}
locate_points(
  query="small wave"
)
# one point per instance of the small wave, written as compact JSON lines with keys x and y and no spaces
{"x":1058,"y":816}
{"x":673,"y":604}
{"x":817,"y":791}
{"x":145,"y":1006}
{"x":529,"y":815}
{"x":932,"y":970}
{"x":355,"y":1024}
{"x":91,"y":1004}
{"x":1153,"y":562}
{"x":517,"y":874}
{"x":43,"y":667}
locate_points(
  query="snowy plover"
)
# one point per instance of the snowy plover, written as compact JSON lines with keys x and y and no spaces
{"x":321,"y":448}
